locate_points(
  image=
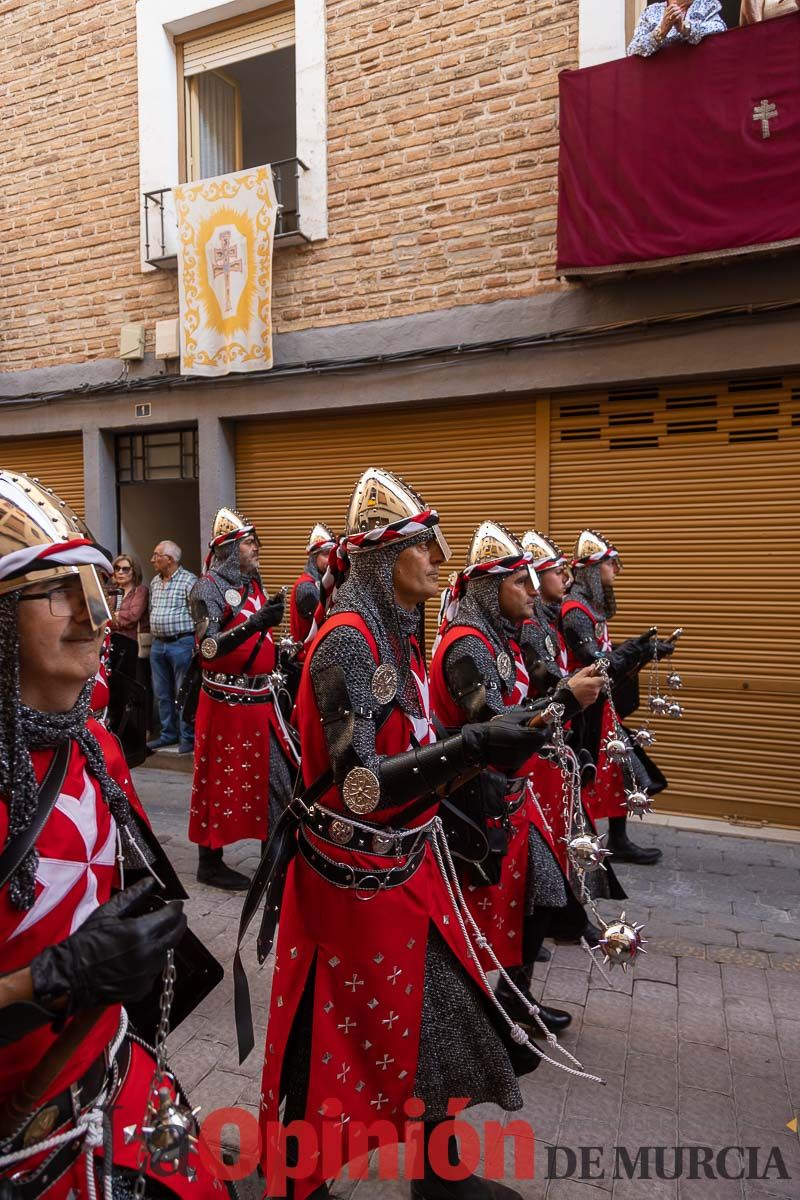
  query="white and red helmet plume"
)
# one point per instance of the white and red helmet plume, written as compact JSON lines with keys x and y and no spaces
{"x":591,"y":547}
{"x":547,"y":554}
{"x":383,"y":510}
{"x":41,"y":538}
{"x":320,"y":539}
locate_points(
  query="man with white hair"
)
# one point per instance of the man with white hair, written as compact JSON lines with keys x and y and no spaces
{"x":172,"y":628}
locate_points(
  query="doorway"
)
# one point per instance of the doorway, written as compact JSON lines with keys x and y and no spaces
{"x":158,"y":495}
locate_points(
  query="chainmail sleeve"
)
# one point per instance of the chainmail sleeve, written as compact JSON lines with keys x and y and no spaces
{"x":344,"y":659}
{"x":579,"y":635}
{"x":474,"y":648}
{"x":205,"y":594}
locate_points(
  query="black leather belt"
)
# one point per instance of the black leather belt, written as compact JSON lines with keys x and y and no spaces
{"x":515,"y":802}
{"x":173,"y":637}
{"x":242,"y":694}
{"x":368,"y":881}
{"x":339,"y":830}
{"x":52,"y":1117}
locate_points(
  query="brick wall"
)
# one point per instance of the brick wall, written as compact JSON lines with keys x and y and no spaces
{"x":442,"y":160}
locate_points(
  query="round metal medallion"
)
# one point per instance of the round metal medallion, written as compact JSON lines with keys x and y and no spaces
{"x":208,"y":648}
{"x":341,"y":832}
{"x":505,"y":667}
{"x":361,"y":790}
{"x":233,"y":597}
{"x":550,"y":646}
{"x":382,"y":843}
{"x":384,"y":683}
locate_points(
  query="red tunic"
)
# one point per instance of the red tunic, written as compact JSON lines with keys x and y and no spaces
{"x":230,"y":790}
{"x":299,"y":625}
{"x":605,"y":797}
{"x":76,"y":873}
{"x":369,"y":954}
{"x":498,"y":909}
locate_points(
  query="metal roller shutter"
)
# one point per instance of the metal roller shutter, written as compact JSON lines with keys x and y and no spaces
{"x":699,"y":487}
{"x":471,"y":462}
{"x":56,"y":461}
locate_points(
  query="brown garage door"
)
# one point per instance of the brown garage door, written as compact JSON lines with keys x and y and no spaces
{"x":699,"y":486}
{"x":470,"y":462}
{"x":56,"y":461}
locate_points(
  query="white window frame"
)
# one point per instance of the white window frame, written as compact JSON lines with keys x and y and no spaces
{"x":158,"y":22}
{"x":604,"y":29}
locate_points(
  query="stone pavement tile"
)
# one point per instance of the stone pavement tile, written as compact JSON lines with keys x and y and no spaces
{"x":701,"y":1023}
{"x":568,"y":955}
{"x":789,"y":1037}
{"x":770,"y":943}
{"x":706,"y":1119}
{"x":712,"y":1189}
{"x":792,"y":1070}
{"x":785,"y":962}
{"x":744,"y":907}
{"x":651,"y":1079}
{"x":644,"y":1125}
{"x":738,"y":956}
{"x":195,"y":1061}
{"x":705,"y":1067}
{"x":737,"y":924}
{"x":660,"y":968}
{"x":762,"y":1102}
{"x":748,"y":1014}
{"x":656,"y":1001}
{"x":744,"y":981}
{"x":788,"y":1147}
{"x":220,"y":1090}
{"x":543,"y":1105}
{"x":609,"y":1009}
{"x":755,"y":1054}
{"x":565,"y":983}
{"x":680,"y":949}
{"x":598,"y":1102}
{"x":653,"y":1037}
{"x":601,"y":1049}
{"x":575,"y":1189}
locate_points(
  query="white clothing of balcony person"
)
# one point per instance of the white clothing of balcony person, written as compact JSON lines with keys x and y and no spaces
{"x":670,"y":24}
{"x":753,"y":11}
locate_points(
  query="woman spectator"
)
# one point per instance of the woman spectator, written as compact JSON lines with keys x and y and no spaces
{"x":671,"y":23}
{"x":129,"y":619}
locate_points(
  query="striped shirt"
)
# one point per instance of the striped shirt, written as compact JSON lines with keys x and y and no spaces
{"x":169,"y":604}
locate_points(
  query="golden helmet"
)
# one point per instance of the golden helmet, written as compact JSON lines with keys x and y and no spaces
{"x":228,"y":521}
{"x":380,"y":501}
{"x":42,"y":539}
{"x":493,"y":544}
{"x":592,"y":547}
{"x":547,"y":555}
{"x":320,"y":539}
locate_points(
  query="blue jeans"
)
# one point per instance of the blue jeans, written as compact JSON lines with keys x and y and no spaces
{"x":169,"y":662}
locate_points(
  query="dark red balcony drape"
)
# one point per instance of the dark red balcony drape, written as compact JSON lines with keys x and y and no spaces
{"x":662,"y":158}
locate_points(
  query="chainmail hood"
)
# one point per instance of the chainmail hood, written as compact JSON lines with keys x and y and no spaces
{"x":311,"y":567}
{"x":23,"y":729}
{"x":480,"y":609}
{"x":589,"y":588}
{"x":227,"y":566}
{"x":369,"y":592}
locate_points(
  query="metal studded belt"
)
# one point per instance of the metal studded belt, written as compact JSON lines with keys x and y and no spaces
{"x":360,"y":835}
{"x":238,"y":689}
{"x":365,"y":882}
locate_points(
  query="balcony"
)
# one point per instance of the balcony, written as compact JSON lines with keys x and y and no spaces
{"x":160,"y":223}
{"x":690,"y":156}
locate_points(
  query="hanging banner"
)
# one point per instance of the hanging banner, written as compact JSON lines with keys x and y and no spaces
{"x":226,"y":228}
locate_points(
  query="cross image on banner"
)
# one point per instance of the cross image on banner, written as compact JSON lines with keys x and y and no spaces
{"x":226,"y":228}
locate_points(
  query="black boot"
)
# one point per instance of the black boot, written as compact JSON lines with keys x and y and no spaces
{"x":555,"y":1019}
{"x":543,"y":954}
{"x":212,"y":871}
{"x":624,"y":850}
{"x":433,"y":1187}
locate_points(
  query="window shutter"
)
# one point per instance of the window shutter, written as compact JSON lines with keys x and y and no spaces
{"x":274,"y":31}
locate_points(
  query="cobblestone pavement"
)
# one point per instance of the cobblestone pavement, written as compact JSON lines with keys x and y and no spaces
{"x":699,"y":1045}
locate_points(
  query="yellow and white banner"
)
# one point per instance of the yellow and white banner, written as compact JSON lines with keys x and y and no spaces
{"x":226,"y":227}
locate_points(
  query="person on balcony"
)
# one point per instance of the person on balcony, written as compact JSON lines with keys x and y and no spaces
{"x":669,"y":24}
{"x":753,"y":11}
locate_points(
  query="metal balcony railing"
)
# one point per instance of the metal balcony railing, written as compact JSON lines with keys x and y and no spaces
{"x":285,"y":175}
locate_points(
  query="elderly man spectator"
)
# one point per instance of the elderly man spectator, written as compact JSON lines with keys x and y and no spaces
{"x":665,"y":24}
{"x":172,"y":629}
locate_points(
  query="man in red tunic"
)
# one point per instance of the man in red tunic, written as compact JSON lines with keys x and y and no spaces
{"x":244,"y":755}
{"x":477,"y":671}
{"x":74,"y":1085}
{"x":585,"y":613}
{"x":379,"y":995}
{"x":306,"y":590}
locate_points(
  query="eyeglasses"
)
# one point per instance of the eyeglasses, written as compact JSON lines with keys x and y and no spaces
{"x":64,"y":602}
{"x":123,"y":570}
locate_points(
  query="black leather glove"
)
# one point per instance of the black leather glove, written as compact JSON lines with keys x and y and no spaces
{"x":269,"y":615}
{"x":664,"y":649}
{"x":113,"y":957}
{"x":505,"y":742}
